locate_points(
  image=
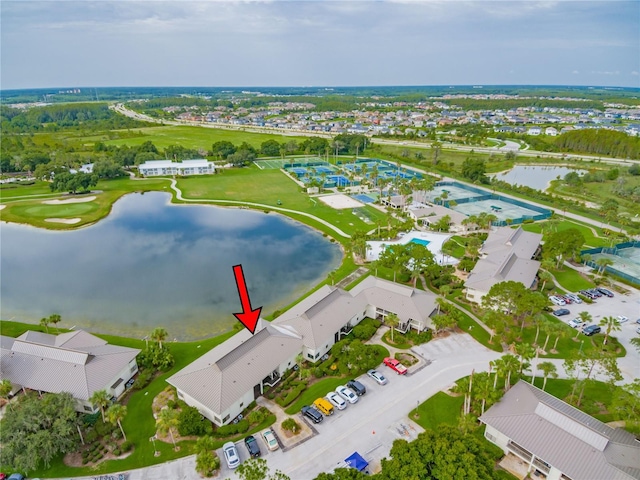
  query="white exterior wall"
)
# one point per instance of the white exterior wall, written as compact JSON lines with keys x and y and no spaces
{"x":125,"y":374}
{"x":175,"y":168}
{"x":315,"y":355}
{"x":497,"y":438}
{"x":236,"y":409}
{"x":475,"y":296}
{"x":204,"y":410}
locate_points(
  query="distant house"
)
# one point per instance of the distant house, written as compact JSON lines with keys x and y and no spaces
{"x":507,"y":254}
{"x":226,"y":379}
{"x":75,"y":362}
{"x":557,"y":441}
{"x":551,"y":131}
{"x":199,"y":166}
{"x":428,"y":215}
{"x":86,"y":168}
{"x":534,"y":131}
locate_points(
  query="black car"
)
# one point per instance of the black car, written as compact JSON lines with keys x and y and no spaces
{"x":591,"y":330}
{"x":595,"y":291}
{"x":561,"y":311}
{"x":312,"y":413}
{"x":357,"y":387}
{"x":252,"y":446}
{"x":605,"y":292}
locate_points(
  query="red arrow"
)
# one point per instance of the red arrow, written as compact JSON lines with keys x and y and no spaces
{"x":248,"y":317}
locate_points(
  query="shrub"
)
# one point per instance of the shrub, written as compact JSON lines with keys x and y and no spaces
{"x":318,"y":373}
{"x":116,"y":452}
{"x":116,"y":434}
{"x":291,"y":425}
{"x":172,"y":404}
{"x":231,"y":429}
{"x":255,"y":417}
{"x":271,"y":395}
{"x":291,"y":396}
{"x":103,"y":429}
{"x":207,"y":463}
{"x":363,"y":332}
{"x":126,"y":446}
{"x":144,"y":378}
{"x":91,"y":435}
{"x":190,"y":422}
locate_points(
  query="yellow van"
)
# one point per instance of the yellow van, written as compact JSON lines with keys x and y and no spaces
{"x":324,"y":406}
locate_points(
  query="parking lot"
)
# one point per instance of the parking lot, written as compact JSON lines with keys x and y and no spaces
{"x":380,"y":416}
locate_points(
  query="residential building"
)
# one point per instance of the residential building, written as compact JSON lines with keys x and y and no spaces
{"x":199,"y":166}
{"x":534,"y":131}
{"x":558,"y":441}
{"x":507,"y":254}
{"x":551,"y":131}
{"x":75,"y":362}
{"x":225,"y":380}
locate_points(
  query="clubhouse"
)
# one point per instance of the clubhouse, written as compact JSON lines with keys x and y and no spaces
{"x":198,"y":166}
{"x":225,"y":380}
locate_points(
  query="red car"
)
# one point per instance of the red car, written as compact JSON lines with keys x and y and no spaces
{"x":395,"y":365}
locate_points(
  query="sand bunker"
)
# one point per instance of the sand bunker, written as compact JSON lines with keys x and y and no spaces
{"x":69,"y":221}
{"x":2,"y":206}
{"x":340,"y":201}
{"x":70,"y":200}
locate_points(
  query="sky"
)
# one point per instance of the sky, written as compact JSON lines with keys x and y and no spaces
{"x":318,"y":43}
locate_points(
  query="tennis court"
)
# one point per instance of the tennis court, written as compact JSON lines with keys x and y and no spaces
{"x":626,"y":260}
{"x":501,"y":209}
{"x":452,"y":192}
{"x":363,"y":198}
{"x":271,"y":164}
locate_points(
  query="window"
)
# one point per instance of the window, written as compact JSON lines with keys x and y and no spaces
{"x":241,"y":405}
{"x":133,"y":369}
{"x":310,"y":356}
{"x":490,"y":437}
{"x":88,"y":409}
{"x":225,"y":419}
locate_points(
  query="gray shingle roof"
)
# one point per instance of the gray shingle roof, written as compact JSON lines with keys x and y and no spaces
{"x":577,"y":444}
{"x":508,"y":257}
{"x":224,"y":374}
{"x":75,"y":362}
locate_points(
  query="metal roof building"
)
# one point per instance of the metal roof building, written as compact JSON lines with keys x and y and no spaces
{"x":505,"y":255}
{"x":559,"y":440}
{"x":75,"y":362}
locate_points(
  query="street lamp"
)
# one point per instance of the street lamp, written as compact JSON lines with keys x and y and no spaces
{"x":156,"y":453}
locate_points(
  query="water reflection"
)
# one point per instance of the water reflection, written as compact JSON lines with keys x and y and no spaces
{"x":537,"y":177}
{"x":155,"y":264}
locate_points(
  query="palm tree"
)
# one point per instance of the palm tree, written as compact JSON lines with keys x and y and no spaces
{"x":610,"y":324}
{"x":159,"y":335}
{"x":100,"y":398}
{"x":115,"y":414}
{"x":55,"y":319}
{"x":511,"y":365}
{"x":547,"y":368}
{"x":560,"y":333}
{"x":602,"y":263}
{"x":44,"y":322}
{"x":392,"y":320}
{"x":526,"y":353}
{"x":499,"y":366}
{"x":545,"y":277}
{"x":167,"y":421}
{"x":586,"y":258}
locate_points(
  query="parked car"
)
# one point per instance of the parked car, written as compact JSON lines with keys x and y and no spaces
{"x":3,"y":476}
{"x":638,"y":330}
{"x":270,"y":439}
{"x":576,"y":323}
{"x":336,"y":400}
{"x":395,"y":365}
{"x":252,"y":446}
{"x":346,"y":393}
{"x":595,"y":291}
{"x":557,"y":300}
{"x":605,"y":292}
{"x":16,"y":476}
{"x":357,"y":387}
{"x":322,"y":405}
{"x":377,"y":377}
{"x":622,"y":319}
{"x":231,"y":454}
{"x":566,"y":299}
{"x":312,"y":413}
{"x":588,"y":294}
{"x":561,"y":311}
{"x":638,"y":321}
{"x":591,"y":330}
{"x":574,"y":298}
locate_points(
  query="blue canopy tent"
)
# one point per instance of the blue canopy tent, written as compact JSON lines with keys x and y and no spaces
{"x":356,"y":461}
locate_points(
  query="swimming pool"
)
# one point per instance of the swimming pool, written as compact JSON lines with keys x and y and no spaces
{"x":420,"y":241}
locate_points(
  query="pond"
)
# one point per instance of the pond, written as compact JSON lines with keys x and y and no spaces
{"x":150,"y":263}
{"x":537,"y":177}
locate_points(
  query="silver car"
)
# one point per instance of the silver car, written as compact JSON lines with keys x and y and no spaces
{"x":231,"y":454}
{"x":378,"y":377}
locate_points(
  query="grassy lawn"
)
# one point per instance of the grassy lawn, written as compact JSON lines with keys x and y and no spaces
{"x":458,"y":243}
{"x":268,"y":187}
{"x":590,"y":239}
{"x":319,"y":389}
{"x":34,"y":212}
{"x":437,"y":410}
{"x":571,"y":280}
{"x":139,"y":424}
{"x":9,"y":191}
{"x":194,"y":137}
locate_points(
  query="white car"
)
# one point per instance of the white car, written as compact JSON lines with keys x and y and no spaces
{"x":231,"y":454}
{"x":270,"y":440}
{"x":622,"y":319}
{"x":576,"y":323}
{"x":557,"y":301}
{"x":336,"y":400}
{"x":377,"y":377}
{"x":346,"y":393}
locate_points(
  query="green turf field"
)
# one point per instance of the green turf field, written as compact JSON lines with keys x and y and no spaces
{"x":196,"y":137}
{"x":57,"y":211}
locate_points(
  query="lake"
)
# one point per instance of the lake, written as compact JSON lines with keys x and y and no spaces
{"x":151,"y":263}
{"x":537,"y":177}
